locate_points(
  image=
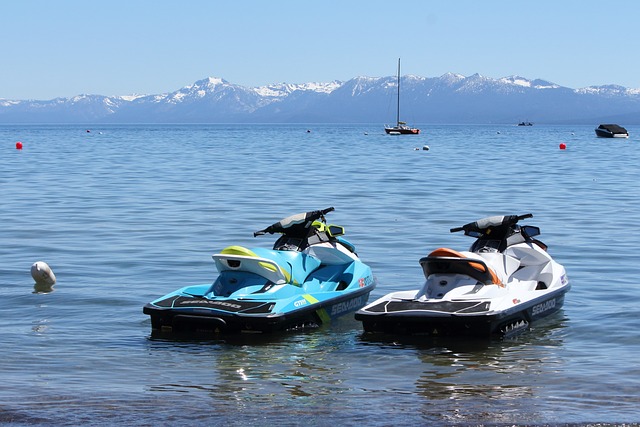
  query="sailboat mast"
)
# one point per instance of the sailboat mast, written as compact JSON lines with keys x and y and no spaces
{"x":398,"y":107}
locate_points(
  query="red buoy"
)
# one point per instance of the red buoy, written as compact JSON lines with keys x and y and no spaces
{"x":18,"y":145}
{"x":563,"y":146}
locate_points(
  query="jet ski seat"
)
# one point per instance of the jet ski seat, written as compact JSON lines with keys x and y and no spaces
{"x":448,"y":261}
{"x":278,"y":267}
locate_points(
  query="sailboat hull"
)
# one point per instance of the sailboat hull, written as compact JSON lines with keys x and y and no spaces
{"x":401,"y":131}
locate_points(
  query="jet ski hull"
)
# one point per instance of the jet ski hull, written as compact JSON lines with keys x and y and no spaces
{"x":457,"y":318}
{"x":182,"y":313}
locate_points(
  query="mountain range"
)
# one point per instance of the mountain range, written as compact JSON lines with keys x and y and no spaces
{"x":450,"y":98}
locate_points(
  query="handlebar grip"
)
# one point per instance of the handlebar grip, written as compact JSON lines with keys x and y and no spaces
{"x":326,"y":211}
{"x":456,"y":229}
{"x":525,"y":216}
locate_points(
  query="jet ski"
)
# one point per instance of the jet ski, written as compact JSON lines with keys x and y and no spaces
{"x":311,"y":276}
{"x":506,"y":281}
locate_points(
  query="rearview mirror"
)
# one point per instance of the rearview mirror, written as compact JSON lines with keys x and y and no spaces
{"x":334,"y":230}
{"x":530,"y":230}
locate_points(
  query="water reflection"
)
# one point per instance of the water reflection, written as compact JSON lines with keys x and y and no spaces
{"x":257,"y":368}
{"x":42,"y":288}
{"x":465,"y":380}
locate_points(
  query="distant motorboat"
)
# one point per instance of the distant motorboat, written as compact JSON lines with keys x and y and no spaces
{"x":611,"y":131}
{"x":401,"y":128}
{"x":525,"y":124}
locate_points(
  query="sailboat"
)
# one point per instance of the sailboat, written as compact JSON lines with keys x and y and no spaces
{"x":401,"y":128}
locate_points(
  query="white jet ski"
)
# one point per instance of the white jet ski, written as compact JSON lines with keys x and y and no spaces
{"x":506,"y":281}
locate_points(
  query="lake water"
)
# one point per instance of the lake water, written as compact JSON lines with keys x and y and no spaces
{"x":125,"y":214}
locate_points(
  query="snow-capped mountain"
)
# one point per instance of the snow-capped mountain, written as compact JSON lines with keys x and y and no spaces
{"x":281,"y":90}
{"x":450,"y":98}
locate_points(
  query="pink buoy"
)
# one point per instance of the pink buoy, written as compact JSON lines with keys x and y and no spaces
{"x":563,"y":146}
{"x":18,"y":145}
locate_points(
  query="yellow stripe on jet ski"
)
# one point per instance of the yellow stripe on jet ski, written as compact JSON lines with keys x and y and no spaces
{"x":322,"y":313}
{"x":310,"y":298}
{"x":242,"y":251}
{"x":238,"y":250}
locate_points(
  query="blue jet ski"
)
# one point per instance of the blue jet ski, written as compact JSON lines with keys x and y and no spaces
{"x":311,"y":276}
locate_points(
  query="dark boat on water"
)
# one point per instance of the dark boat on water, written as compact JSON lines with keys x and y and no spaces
{"x":401,"y":128}
{"x":611,"y":131}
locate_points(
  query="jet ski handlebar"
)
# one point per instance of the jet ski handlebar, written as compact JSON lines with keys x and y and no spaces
{"x":301,"y":220}
{"x":492,"y":221}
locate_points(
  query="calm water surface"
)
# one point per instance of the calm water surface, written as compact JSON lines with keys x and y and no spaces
{"x":124,"y":214}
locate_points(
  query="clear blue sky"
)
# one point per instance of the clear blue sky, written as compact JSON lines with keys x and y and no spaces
{"x":118,"y":47}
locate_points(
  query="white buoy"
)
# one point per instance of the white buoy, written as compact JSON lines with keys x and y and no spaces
{"x":42,"y":274}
